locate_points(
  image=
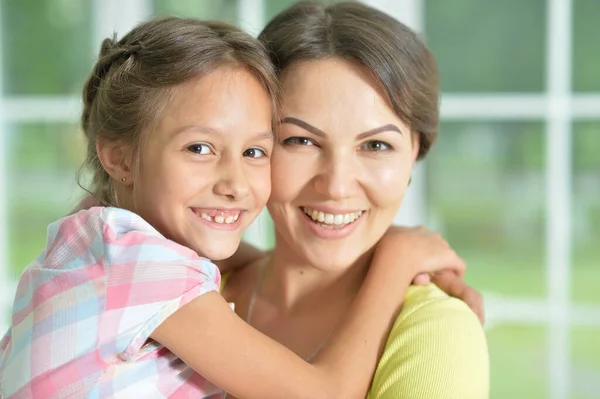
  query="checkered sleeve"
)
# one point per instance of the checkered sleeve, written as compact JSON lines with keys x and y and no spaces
{"x":3,"y":345}
{"x":149,"y":278}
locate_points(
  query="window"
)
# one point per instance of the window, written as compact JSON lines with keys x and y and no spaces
{"x":512,"y":182}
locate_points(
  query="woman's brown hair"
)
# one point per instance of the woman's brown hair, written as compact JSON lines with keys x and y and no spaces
{"x":133,"y":77}
{"x":394,"y":54}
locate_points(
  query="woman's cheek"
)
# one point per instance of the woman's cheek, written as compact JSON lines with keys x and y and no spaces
{"x":290,"y":171}
{"x":387,"y":181}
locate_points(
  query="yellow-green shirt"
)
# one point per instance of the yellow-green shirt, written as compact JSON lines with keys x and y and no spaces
{"x":436,"y":350}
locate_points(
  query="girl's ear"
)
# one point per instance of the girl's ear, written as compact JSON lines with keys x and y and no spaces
{"x":116,"y":159}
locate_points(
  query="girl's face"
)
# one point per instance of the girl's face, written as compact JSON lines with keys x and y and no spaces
{"x":341,"y":164}
{"x":204,"y":171}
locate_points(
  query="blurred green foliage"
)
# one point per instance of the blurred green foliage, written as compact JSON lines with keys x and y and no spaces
{"x":486,"y":179}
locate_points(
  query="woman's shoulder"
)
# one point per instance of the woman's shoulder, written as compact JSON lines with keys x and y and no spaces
{"x":430,"y":300}
{"x":432,"y":314}
{"x":436,"y":349}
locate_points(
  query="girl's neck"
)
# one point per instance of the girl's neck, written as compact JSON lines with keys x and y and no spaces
{"x":293,"y":284}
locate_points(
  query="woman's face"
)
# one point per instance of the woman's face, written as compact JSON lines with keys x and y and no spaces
{"x":341,"y":165}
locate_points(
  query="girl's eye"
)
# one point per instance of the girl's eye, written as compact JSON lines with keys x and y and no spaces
{"x":298,"y":141}
{"x":199,"y":149}
{"x":376,"y":146}
{"x":254,"y":153}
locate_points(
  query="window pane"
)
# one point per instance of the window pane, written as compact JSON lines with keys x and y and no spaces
{"x":223,"y":10}
{"x":488,"y":45}
{"x":586,"y":212}
{"x":261,"y":233}
{"x":585,"y":364}
{"x":45,"y":46}
{"x":274,"y":7}
{"x":42,"y":161}
{"x":586,"y":57}
{"x":518,"y":358}
{"x":486,"y":193}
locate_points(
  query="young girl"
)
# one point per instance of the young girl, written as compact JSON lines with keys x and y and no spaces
{"x":123,"y":302}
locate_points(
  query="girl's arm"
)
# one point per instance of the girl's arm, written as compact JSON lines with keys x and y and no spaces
{"x":449,"y":281}
{"x":216,"y":343}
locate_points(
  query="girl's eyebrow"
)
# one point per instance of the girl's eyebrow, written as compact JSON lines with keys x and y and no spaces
{"x":264,"y":136}
{"x":196,"y":128}
{"x":216,"y":132}
{"x":318,"y":132}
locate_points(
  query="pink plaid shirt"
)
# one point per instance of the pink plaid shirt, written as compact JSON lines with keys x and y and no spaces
{"x":84,"y":311}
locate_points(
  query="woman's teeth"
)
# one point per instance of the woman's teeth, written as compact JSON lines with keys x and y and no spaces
{"x":331,"y":219}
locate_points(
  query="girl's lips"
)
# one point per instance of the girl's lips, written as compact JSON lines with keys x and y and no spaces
{"x":220,"y":219}
{"x":214,"y":212}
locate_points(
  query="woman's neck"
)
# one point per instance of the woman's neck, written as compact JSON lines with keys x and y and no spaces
{"x":294,"y":285}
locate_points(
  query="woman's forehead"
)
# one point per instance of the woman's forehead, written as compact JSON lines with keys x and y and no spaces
{"x":335,"y":92}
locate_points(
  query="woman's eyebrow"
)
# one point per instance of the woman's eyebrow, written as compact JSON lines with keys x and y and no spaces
{"x":318,"y":132}
{"x":384,"y":128}
{"x":304,"y":125}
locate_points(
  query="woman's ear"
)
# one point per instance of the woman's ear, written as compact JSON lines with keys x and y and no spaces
{"x":416,"y":145}
{"x":116,"y":159}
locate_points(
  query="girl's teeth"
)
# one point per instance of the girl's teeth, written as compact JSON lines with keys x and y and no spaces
{"x":220,"y":219}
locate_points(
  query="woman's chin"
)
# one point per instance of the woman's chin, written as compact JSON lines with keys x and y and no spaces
{"x":333,"y":260}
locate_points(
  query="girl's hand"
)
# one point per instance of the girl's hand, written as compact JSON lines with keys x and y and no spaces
{"x":420,"y":249}
{"x":455,"y":286}
{"x":450,"y":280}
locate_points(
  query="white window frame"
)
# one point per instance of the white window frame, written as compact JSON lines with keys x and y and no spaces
{"x":558,"y":106}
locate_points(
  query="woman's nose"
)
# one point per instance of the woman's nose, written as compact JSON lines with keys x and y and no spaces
{"x":337,"y":179}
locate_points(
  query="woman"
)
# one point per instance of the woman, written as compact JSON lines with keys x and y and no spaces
{"x":360,"y":107}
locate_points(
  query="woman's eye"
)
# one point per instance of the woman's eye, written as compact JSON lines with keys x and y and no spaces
{"x":199,"y":149}
{"x":254,"y":153}
{"x":376,"y":146}
{"x":298,"y":141}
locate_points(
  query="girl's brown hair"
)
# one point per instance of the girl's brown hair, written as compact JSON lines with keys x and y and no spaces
{"x":400,"y":61}
{"x":133,"y":77}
